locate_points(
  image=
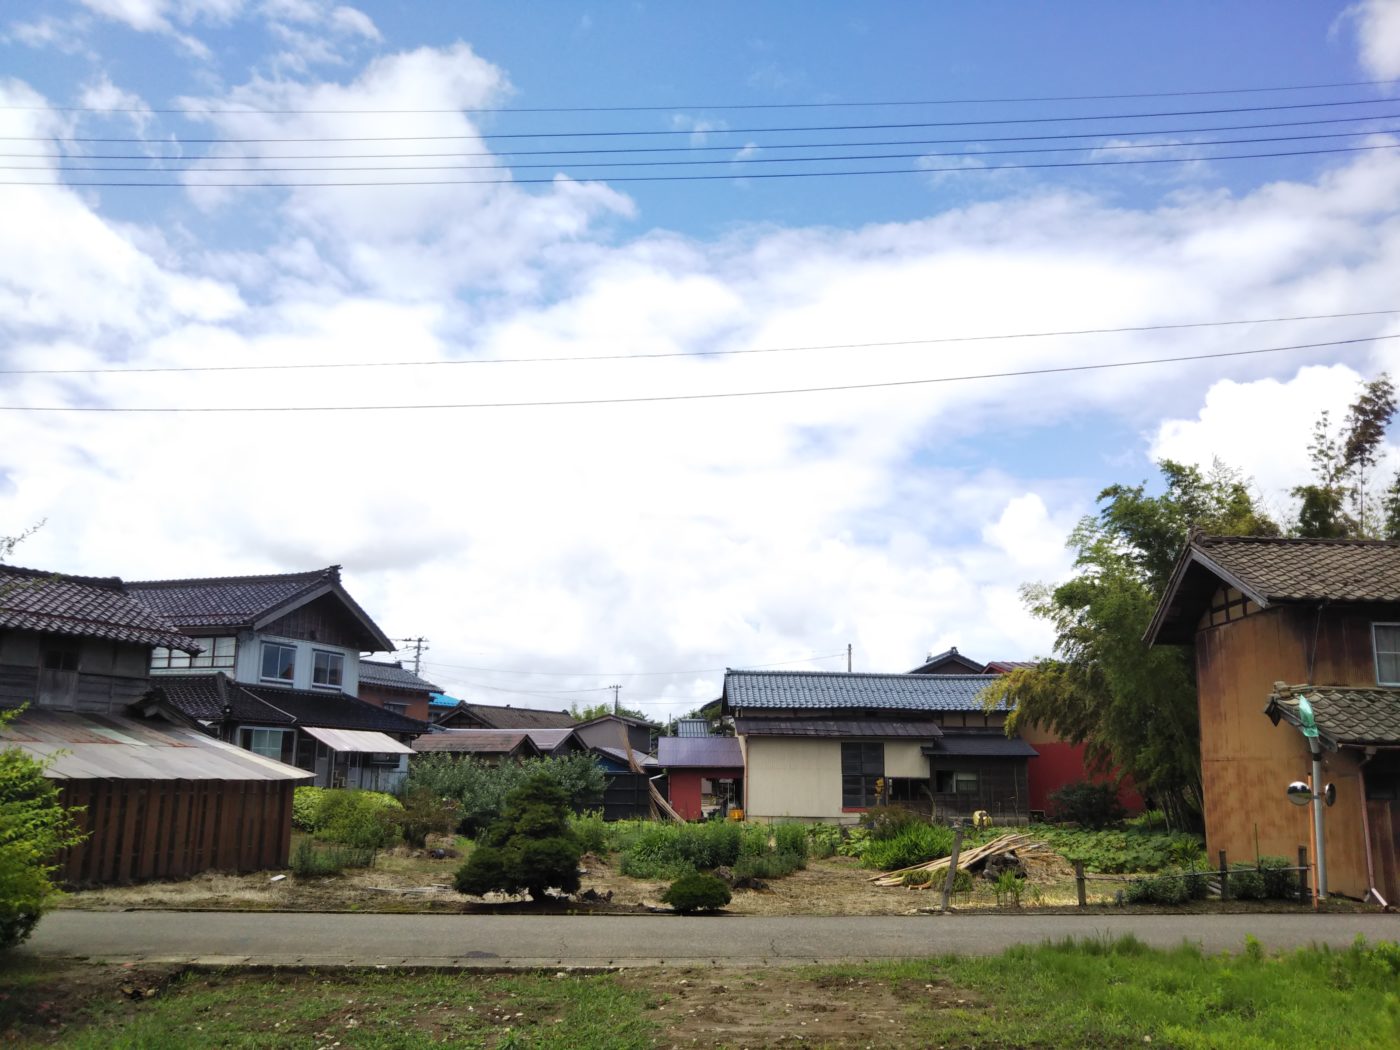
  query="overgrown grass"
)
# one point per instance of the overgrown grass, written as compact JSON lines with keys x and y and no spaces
{"x":1117,"y":851}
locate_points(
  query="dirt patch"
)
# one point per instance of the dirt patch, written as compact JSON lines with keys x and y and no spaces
{"x":40,"y":1000}
{"x":719,"y":1008}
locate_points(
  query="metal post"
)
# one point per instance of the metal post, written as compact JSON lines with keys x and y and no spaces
{"x":1302,"y":874}
{"x":1319,"y":845}
{"x":952,"y":865}
{"x":1079,"y":886}
{"x":1224,"y":878}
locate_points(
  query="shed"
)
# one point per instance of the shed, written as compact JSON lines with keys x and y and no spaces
{"x":705,"y":774}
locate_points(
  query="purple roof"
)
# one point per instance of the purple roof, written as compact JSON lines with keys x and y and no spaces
{"x":699,"y":752}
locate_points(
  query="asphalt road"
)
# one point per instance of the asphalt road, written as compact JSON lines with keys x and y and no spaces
{"x":277,"y":939}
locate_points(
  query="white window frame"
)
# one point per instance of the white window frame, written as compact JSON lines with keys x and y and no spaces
{"x":328,"y":686}
{"x":1376,"y":651}
{"x":252,"y":733}
{"x":262,"y":663}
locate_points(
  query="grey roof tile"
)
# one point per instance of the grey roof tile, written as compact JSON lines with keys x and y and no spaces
{"x":202,"y":697}
{"x":228,"y":601}
{"x":1344,"y":714}
{"x":1280,"y":569}
{"x":393,"y":675}
{"x":844,"y":690}
{"x":83,"y":607}
{"x":836,"y":727}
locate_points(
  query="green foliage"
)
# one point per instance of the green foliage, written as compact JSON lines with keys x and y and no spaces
{"x":591,"y":711}
{"x":886,"y":822}
{"x":914,"y":844}
{"x":1337,"y":502}
{"x":1008,"y":887}
{"x":1280,"y":883}
{"x":34,"y":827}
{"x":591,"y":831}
{"x":667,"y":851}
{"x":767,"y":865}
{"x":1134,"y":709}
{"x":480,"y":790}
{"x":791,"y":838}
{"x":425,"y":814}
{"x":825,"y":840}
{"x":853,"y":842}
{"x":310,"y":860}
{"x":306,"y":807}
{"x":360,"y":819}
{"x":696,"y":892}
{"x":1088,"y":804}
{"x":529,"y":848}
{"x":1120,"y":851}
{"x":1166,"y":889}
{"x":1247,"y":883}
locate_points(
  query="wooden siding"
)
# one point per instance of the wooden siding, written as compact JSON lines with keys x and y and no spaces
{"x":152,"y":829}
{"x":1246,"y":761}
{"x":1002,"y":789}
{"x":324,"y":620}
{"x":69,"y":690}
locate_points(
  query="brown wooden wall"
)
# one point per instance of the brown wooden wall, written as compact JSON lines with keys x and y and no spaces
{"x":1002,"y":790}
{"x":152,"y":829}
{"x":1247,"y":762}
{"x":323,"y":620}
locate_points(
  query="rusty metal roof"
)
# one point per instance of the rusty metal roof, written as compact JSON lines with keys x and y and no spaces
{"x":477,"y":742}
{"x":108,"y":747}
{"x":82,"y":607}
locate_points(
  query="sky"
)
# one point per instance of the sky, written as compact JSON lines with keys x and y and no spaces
{"x":660,"y":214}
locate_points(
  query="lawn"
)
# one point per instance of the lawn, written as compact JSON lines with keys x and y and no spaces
{"x":1103,"y":994}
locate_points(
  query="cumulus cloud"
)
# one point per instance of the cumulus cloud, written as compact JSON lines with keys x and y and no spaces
{"x":1378,"y":36}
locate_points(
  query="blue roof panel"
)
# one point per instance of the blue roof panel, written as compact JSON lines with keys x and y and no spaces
{"x":844,"y":690}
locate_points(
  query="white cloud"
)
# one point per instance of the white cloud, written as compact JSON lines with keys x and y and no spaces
{"x":1378,"y":36}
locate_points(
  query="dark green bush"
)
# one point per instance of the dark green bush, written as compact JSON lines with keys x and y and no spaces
{"x":1087,"y":804}
{"x":480,"y":789}
{"x":666,"y":851}
{"x":425,"y":814}
{"x":591,"y":831}
{"x":886,"y":822}
{"x":767,"y":865}
{"x":1247,"y":883}
{"x":696,"y":892}
{"x":915,"y":844}
{"x":529,"y":848}
{"x":1160,"y":889}
{"x":1279,"y":882}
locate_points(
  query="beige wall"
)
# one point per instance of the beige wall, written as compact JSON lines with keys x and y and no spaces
{"x":800,"y":778}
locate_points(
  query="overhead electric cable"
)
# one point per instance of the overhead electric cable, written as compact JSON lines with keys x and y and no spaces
{"x":985,"y":122}
{"x":727,"y":176}
{"x":258,"y":111}
{"x":253,"y":167}
{"x":636,"y":674}
{"x":729,"y":147}
{"x":1125,"y":329}
{"x":657,"y":398}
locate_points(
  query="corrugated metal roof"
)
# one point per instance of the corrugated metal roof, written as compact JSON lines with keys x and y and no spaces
{"x":108,"y":747}
{"x":82,"y":607}
{"x":359,"y":741}
{"x":475,"y":741}
{"x":980,"y":745}
{"x":549,"y":739}
{"x":708,"y":752}
{"x":836,"y":727}
{"x":844,"y":690}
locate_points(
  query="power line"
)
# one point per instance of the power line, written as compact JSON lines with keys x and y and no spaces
{"x":694,"y":353}
{"x":730,"y":147}
{"x":384,"y":183}
{"x":224,"y":409}
{"x":254,"y":111}
{"x":635,"y":674}
{"x":253,"y":167}
{"x":492,"y":136}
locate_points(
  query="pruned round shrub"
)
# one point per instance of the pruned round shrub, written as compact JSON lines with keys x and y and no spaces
{"x":696,"y":892}
{"x":1280,"y":883}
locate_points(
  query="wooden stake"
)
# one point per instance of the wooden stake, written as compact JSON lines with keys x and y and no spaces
{"x":952,"y":865}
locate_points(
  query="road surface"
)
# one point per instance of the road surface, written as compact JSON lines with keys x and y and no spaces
{"x":307,"y":939}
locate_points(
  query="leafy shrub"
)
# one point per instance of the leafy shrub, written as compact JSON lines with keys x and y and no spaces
{"x":1279,"y":882}
{"x":886,"y":822}
{"x":362,"y":819}
{"x":312,"y":861}
{"x":791,"y":838}
{"x":1119,"y":851}
{"x":480,"y":790}
{"x":1157,"y":890}
{"x":591,"y":831}
{"x":1090,"y":805}
{"x":530,"y":847}
{"x":1247,"y":883}
{"x":853,"y":842}
{"x":34,"y":827}
{"x":424,"y":814}
{"x":962,"y":881}
{"x":306,"y":808}
{"x":915,"y":844}
{"x":1008,"y":889}
{"x":696,"y":892}
{"x":667,"y":851}
{"x":825,"y":840}
{"x":767,"y":865}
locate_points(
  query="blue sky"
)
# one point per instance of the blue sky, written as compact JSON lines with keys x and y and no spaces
{"x":564,"y":548}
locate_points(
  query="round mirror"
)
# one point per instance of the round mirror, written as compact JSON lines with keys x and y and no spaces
{"x":1299,"y":793}
{"x":1329,"y":794}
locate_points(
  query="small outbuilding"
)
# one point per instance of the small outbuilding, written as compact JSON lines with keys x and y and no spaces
{"x":705,"y":774}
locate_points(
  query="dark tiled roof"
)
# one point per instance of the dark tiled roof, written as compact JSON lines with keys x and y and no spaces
{"x":229,"y":601}
{"x":953,"y":659}
{"x":82,"y":607}
{"x":1344,"y":714}
{"x":493,"y":717}
{"x":843,"y":690}
{"x":618,"y":718}
{"x":710,"y":752}
{"x":477,"y":742}
{"x":981,"y":745}
{"x":393,"y":675}
{"x":1270,"y":569}
{"x":835,"y":727}
{"x":202,"y":697}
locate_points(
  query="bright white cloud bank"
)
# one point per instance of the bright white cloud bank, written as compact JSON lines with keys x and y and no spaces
{"x":641,"y":537}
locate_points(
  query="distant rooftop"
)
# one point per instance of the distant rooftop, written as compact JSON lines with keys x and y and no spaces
{"x":844,"y":690}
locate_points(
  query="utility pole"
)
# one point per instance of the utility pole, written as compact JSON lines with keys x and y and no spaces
{"x":419,"y":646}
{"x":848,"y":656}
{"x":616,"y":689}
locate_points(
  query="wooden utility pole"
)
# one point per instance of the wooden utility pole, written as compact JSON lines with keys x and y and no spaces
{"x":616,"y":689}
{"x":419,"y":646}
{"x":848,"y":656}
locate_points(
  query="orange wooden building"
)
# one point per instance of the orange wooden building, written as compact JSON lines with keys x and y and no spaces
{"x":1272,"y":620}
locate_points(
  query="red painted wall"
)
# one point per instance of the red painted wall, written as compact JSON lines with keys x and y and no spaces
{"x":683,"y":788}
{"x":1060,"y":764}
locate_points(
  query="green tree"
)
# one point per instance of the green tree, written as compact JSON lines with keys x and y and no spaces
{"x":530,"y":847}
{"x":592,"y":711}
{"x":34,"y":827}
{"x":1338,"y":503}
{"x":1133,"y":708}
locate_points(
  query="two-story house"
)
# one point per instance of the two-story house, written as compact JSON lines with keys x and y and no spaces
{"x":1272,"y":622}
{"x":279,"y":672}
{"x":154,"y":795}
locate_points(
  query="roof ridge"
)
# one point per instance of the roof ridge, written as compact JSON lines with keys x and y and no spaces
{"x":110,"y":583}
{"x":332,"y":572}
{"x":1318,"y":541}
{"x":853,"y":674}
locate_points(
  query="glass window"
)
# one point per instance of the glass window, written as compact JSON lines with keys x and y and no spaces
{"x":955,"y":782}
{"x":327,"y":669}
{"x":398,"y":709}
{"x":61,"y":658}
{"x":265,"y":742}
{"x":1387,"y":641}
{"x":218,"y":652}
{"x":862,"y":775}
{"x":278,"y":662}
